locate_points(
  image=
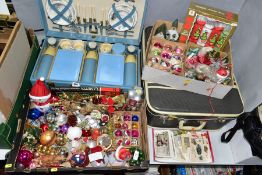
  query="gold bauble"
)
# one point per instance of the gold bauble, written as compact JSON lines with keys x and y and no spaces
{"x":61,"y":139}
{"x":48,"y":138}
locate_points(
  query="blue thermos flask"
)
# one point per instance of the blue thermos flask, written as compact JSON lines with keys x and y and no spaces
{"x":46,"y":62}
{"x":47,"y":59}
{"x":130,"y":71}
{"x":90,"y":65}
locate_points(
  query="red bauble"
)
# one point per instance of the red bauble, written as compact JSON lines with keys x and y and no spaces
{"x":53,"y":99}
{"x":44,"y":127}
{"x":86,"y":133}
{"x":222,"y":72}
{"x":95,"y":100}
{"x":72,"y":120}
{"x":95,"y":134}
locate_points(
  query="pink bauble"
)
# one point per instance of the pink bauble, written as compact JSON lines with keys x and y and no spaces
{"x":25,"y":157}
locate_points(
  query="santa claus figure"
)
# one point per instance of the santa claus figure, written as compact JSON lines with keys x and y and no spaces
{"x":40,"y":95}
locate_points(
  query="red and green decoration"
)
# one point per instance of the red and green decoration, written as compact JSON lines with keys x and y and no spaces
{"x":137,"y":156}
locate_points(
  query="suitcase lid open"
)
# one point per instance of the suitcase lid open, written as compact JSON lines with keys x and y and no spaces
{"x":122,"y":21}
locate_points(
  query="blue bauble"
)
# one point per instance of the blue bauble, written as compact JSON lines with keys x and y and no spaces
{"x":78,"y":159}
{"x":135,"y":118}
{"x":34,"y":114}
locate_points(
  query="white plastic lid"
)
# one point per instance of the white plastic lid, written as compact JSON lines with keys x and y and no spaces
{"x":92,"y":45}
{"x":51,"y":41}
{"x":131,"y":48}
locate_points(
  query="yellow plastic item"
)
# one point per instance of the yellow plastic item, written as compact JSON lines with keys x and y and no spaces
{"x":92,"y":55}
{"x":50,"y":51}
{"x":130,"y":59}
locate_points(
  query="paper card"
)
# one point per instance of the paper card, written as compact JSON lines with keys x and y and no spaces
{"x":136,"y":155}
{"x":3,"y":8}
{"x":95,"y":156}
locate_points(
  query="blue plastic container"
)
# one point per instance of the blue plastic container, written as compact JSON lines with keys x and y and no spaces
{"x":130,"y":71}
{"x":89,"y":69}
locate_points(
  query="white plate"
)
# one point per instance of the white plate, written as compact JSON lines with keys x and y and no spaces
{"x":70,"y":14}
{"x":124,"y":9}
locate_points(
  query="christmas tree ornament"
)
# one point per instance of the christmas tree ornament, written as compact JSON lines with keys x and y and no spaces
{"x":179,"y":50}
{"x":155,"y":51}
{"x":20,"y":166}
{"x":127,"y":117}
{"x":79,"y":160}
{"x":36,"y":155}
{"x":166,"y":55}
{"x":104,"y":130}
{"x":135,"y":118}
{"x":93,"y":123}
{"x":122,"y":154}
{"x":48,"y":138}
{"x":96,"y":114}
{"x":135,"y":133}
{"x":72,"y":120}
{"x":86,"y":133}
{"x":105,"y":118}
{"x":50,"y":117}
{"x":124,"y":126}
{"x":118,"y":133}
{"x":105,"y":141}
{"x":126,"y":142}
{"x":63,"y":151}
{"x":137,"y":156}
{"x":127,"y":133}
{"x":154,"y":60}
{"x":53,"y":99}
{"x":63,"y":128}
{"x":91,"y":144}
{"x":61,"y":139}
{"x":135,"y":125}
{"x":44,"y":127}
{"x":32,"y":165}
{"x":202,"y":53}
{"x":74,"y":133}
{"x":222,"y":74}
{"x":61,"y":119}
{"x":168,"y":48}
{"x":95,"y":133}
{"x":40,"y":94}
{"x":25,"y":157}
{"x":34,"y":114}
{"x":75,"y":144}
{"x":158,"y":45}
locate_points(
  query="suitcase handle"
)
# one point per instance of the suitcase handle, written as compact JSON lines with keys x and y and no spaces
{"x":190,"y":128}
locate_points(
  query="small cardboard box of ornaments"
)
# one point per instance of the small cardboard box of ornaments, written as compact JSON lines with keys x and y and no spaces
{"x":204,"y":68}
{"x":189,"y":67}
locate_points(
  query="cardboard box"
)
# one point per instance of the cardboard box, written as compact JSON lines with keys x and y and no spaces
{"x":207,"y":26}
{"x":151,"y":74}
{"x":13,"y":63}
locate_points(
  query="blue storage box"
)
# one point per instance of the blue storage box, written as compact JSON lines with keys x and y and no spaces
{"x":70,"y":19}
{"x":67,"y":65}
{"x":110,"y":69}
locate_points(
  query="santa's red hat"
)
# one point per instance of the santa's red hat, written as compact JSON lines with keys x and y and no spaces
{"x":39,"y":91}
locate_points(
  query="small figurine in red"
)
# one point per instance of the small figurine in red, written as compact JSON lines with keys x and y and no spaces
{"x":40,"y":95}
